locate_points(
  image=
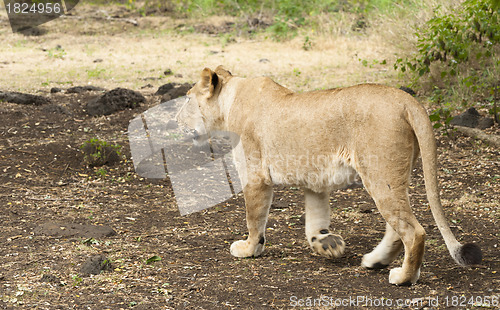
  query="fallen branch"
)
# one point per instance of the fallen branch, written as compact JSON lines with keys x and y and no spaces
{"x":118,"y":19}
{"x":493,"y":140}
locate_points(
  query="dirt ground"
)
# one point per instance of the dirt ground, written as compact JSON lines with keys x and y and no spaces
{"x":51,"y":204}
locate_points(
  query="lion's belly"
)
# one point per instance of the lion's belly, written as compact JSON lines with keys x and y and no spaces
{"x":317,"y":175}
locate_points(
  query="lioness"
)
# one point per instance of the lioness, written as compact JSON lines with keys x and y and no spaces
{"x":320,"y":141}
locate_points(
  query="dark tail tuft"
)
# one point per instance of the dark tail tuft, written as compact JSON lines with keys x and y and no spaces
{"x":470,"y":254}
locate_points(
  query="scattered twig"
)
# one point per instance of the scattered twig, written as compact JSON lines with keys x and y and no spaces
{"x":64,"y":171}
{"x":118,"y":19}
{"x":24,"y":152}
{"x":53,"y":199}
{"x":479,"y":134}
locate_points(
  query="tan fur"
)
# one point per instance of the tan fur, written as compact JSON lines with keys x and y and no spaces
{"x":322,"y":141}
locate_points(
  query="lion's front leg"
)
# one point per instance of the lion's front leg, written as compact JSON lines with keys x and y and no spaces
{"x":258,"y":197}
{"x":321,"y":240}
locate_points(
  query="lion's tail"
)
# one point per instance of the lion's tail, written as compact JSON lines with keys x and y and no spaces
{"x":470,"y":253}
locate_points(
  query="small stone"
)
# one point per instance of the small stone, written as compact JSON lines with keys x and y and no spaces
{"x":95,"y":264}
{"x":49,"y":278}
{"x":147,"y":86}
{"x":81,"y":89}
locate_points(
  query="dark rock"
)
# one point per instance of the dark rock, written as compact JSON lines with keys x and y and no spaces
{"x":469,"y":118}
{"x":95,"y":264}
{"x":21,"y":98}
{"x":54,"y":108}
{"x":73,"y":230}
{"x":54,"y":90}
{"x":173,"y":90}
{"x":253,"y":22}
{"x":98,"y":60}
{"x":115,"y":100}
{"x":408,"y":90}
{"x":176,"y":93}
{"x":264,"y":60}
{"x":168,"y":72}
{"x":359,"y":24}
{"x":165,"y":88}
{"x":485,"y":122}
{"x":81,"y":89}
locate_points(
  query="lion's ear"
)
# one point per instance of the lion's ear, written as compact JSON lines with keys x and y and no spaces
{"x":221,"y":71}
{"x":209,"y":81}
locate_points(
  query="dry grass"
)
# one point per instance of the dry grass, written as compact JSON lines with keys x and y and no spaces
{"x":133,"y":57}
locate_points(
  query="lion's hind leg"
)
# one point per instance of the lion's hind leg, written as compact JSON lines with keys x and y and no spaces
{"x":394,"y":205}
{"x":385,"y":252}
{"x":317,"y":223}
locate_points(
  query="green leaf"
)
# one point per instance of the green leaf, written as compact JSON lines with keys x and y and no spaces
{"x":435,"y":117}
{"x":153,"y":259}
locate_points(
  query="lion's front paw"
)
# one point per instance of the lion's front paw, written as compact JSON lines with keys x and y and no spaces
{"x":328,"y":245}
{"x":243,"y":248}
{"x":398,"y":277}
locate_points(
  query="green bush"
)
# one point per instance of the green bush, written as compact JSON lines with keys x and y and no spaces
{"x":460,"y":52}
{"x":472,"y":32}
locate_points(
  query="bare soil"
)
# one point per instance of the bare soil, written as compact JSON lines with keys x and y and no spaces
{"x":44,"y":185}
